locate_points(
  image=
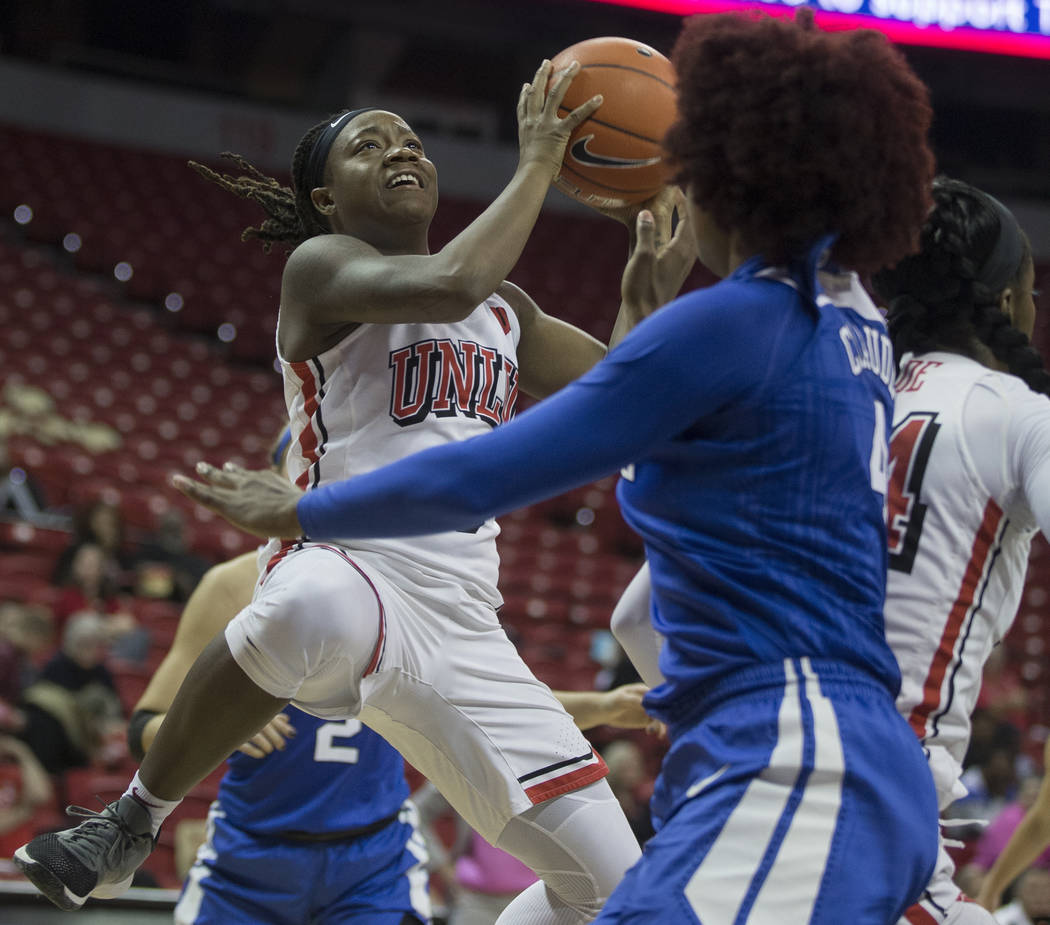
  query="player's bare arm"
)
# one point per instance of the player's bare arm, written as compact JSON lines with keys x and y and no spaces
{"x":620,"y":707}
{"x":333,"y":282}
{"x":220,"y":595}
{"x":551,"y":353}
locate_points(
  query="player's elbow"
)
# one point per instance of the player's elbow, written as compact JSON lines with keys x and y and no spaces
{"x":627,"y":621}
{"x":461,"y":287}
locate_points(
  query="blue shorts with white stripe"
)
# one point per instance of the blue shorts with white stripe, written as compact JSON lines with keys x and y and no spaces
{"x":797,"y":796}
{"x":244,"y":879}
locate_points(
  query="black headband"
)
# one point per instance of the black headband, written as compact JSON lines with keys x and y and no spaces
{"x":313,"y":175}
{"x":1000,"y":268}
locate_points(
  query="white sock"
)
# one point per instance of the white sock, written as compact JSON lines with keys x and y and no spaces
{"x":158,"y":809}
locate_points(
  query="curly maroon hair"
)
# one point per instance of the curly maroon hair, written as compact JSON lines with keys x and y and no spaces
{"x":786,"y":133}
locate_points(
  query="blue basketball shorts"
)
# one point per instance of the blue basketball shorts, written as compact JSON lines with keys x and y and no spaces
{"x":243,"y":879}
{"x":798,"y":795}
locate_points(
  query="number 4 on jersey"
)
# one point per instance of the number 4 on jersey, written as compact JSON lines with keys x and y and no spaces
{"x":910,"y":446}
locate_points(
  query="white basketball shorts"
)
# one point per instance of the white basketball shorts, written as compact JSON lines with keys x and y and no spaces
{"x":341,"y":632}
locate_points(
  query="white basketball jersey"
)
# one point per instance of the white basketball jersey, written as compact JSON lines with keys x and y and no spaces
{"x":389,"y":390}
{"x":957,"y":554}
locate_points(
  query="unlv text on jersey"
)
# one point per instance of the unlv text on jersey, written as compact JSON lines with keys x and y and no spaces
{"x":445,"y":378}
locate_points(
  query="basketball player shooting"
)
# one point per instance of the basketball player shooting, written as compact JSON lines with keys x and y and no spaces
{"x":386,"y":348}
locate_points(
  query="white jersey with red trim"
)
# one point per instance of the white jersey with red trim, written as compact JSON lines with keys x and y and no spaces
{"x":965,"y":445}
{"x":389,"y":390}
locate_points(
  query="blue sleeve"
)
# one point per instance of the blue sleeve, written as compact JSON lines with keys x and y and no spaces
{"x":690,"y":359}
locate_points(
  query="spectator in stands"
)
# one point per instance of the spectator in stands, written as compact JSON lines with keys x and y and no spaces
{"x":1029,"y":840}
{"x":91,"y":586}
{"x":1032,"y":905}
{"x":99,"y":523}
{"x":81,"y":659}
{"x":25,"y":633}
{"x":999,"y":830}
{"x":167,"y":567}
{"x":991,"y":786}
{"x":632,"y":785}
{"x":478,"y":880}
{"x":990,"y":734}
{"x":25,"y":790}
{"x":73,"y":713}
{"x":1002,"y":693}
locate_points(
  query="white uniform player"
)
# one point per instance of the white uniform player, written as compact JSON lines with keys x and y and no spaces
{"x":438,"y":678}
{"x":969,"y":487}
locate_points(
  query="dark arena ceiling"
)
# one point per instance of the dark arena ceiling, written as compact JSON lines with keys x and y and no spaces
{"x":466,"y":59}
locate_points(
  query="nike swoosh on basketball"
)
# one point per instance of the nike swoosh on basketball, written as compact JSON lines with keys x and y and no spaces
{"x":583,"y":155}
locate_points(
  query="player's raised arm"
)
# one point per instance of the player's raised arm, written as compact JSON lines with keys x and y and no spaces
{"x":377,"y":167}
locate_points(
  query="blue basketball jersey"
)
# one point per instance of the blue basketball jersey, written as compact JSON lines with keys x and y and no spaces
{"x":764,"y":521}
{"x":752,"y":418}
{"x":331,"y":777}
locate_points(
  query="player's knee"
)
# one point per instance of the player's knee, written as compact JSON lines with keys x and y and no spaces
{"x":335,"y":611}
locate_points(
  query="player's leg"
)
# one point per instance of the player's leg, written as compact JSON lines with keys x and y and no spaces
{"x":315,"y":622}
{"x":217,"y":708}
{"x":580,"y":845}
{"x":807,"y":803}
{"x":454,"y":697}
{"x":887,"y":847}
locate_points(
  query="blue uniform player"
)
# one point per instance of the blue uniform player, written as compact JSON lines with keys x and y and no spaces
{"x":290,"y":836}
{"x":312,"y":821}
{"x":752,"y":420}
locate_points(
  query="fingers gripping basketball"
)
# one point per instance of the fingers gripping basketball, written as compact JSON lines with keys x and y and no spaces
{"x":616,"y":154}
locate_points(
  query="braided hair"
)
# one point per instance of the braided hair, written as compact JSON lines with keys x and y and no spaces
{"x":291,"y":215}
{"x":946,"y":296}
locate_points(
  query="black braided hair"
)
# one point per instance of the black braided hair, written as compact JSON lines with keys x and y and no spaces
{"x":291,"y":215}
{"x":935,"y":298}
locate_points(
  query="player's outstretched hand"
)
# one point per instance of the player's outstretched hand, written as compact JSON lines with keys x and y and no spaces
{"x":542,"y":134}
{"x":261,"y":502}
{"x":272,"y":736}
{"x":622,"y":707}
{"x":663,"y":206}
{"x":656,"y":271}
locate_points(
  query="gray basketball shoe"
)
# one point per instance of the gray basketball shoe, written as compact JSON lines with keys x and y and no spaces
{"x":96,"y":858}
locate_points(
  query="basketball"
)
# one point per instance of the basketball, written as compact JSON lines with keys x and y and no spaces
{"x":616,"y":155}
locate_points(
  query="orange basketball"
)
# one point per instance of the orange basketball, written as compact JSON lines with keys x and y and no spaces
{"x":616,"y":154}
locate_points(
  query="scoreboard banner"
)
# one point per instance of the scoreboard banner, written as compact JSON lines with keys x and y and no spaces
{"x":1005,"y":27}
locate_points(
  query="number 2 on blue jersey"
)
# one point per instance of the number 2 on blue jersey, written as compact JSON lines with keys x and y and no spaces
{"x":325,"y":748}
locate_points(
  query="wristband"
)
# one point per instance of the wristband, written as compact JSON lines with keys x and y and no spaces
{"x":136,"y":726}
